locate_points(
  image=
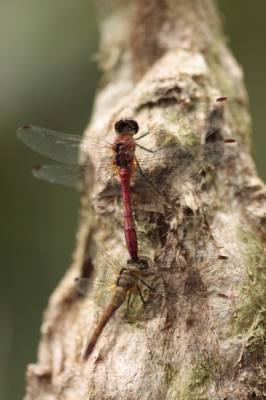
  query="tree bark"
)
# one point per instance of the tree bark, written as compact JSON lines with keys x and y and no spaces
{"x":162,"y":59}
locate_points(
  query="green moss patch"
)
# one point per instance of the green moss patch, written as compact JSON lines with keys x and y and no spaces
{"x":251,"y":319}
{"x":187,"y":382}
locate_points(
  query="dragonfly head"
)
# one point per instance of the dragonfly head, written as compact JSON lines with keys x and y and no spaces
{"x":142,"y":264}
{"x":126,"y":126}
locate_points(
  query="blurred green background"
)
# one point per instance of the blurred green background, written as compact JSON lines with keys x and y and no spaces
{"x":48,"y":80}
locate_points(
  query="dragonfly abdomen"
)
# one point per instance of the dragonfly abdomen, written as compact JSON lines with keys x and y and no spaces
{"x":130,"y":232}
{"x":116,"y":301}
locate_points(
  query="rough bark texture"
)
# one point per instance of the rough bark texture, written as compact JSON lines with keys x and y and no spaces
{"x":161,"y":59}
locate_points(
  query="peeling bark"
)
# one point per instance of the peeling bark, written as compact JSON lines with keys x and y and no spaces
{"x":161,"y":59}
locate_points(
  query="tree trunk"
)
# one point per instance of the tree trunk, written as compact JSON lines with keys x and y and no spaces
{"x":162,"y":59}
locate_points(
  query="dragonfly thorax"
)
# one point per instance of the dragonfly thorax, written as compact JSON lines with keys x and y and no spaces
{"x":123,"y":153}
{"x":126,"y":126}
{"x":128,"y":277}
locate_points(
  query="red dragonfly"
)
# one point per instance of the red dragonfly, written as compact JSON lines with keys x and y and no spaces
{"x":136,"y":281}
{"x":150,"y":161}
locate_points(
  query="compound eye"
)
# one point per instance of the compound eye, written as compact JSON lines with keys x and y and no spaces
{"x":144,"y":265}
{"x":126,"y":126}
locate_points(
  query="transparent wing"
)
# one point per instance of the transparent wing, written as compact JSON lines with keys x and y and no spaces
{"x":84,"y":285}
{"x":68,"y":149}
{"x":64,"y":174}
{"x":193,"y":284}
{"x":210,"y":117}
{"x":159,"y":158}
{"x":170,"y":165}
{"x":195,"y":261}
{"x":202,"y":262}
{"x":174,"y":164}
{"x":194,"y":281}
{"x":149,"y":292}
{"x":101,"y":289}
{"x":71,"y":175}
{"x":202,"y":122}
{"x":197,"y":278}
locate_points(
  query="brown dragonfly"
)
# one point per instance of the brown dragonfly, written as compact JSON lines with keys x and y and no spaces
{"x":140,"y":279}
{"x":125,"y":283}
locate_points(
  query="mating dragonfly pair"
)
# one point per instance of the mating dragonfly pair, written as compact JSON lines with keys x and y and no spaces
{"x":166,"y":154}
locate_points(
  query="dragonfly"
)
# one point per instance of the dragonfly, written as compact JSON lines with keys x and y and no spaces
{"x":143,"y":279}
{"x":127,"y":281}
{"x":153,"y":160}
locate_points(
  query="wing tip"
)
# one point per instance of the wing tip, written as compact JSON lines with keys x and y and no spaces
{"x":24,"y":127}
{"x":229,"y":100}
{"x":236,"y":144}
{"x":21,"y":134}
{"x":221,"y":99}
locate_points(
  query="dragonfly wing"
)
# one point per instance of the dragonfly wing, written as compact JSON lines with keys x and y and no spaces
{"x":140,"y":182}
{"x":199,"y":277}
{"x":203,"y":122}
{"x":206,"y":286}
{"x":174,"y":164}
{"x":64,"y":174}
{"x":100,"y":290}
{"x":210,"y":117}
{"x":72,"y":175}
{"x":84,"y":285}
{"x":68,"y":149}
{"x":205,"y":262}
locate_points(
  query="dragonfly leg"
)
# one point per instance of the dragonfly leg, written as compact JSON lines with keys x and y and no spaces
{"x":148,"y":286}
{"x":128,"y":301}
{"x":154,"y":151}
{"x":152,"y":185}
{"x":146,"y":302}
{"x":143,"y":301}
{"x":143,"y":176}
